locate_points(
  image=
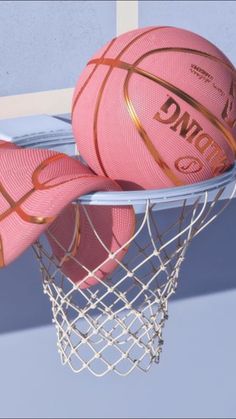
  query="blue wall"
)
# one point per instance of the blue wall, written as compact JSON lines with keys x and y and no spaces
{"x":214,"y":20}
{"x":44,"y":45}
{"x":196,"y":377}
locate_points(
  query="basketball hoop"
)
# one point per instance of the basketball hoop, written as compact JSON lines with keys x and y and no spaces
{"x":118,"y":324}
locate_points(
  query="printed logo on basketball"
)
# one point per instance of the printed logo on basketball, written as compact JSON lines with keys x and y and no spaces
{"x":228,"y":113}
{"x":201,"y":73}
{"x":188,"y":128}
{"x":188,"y":164}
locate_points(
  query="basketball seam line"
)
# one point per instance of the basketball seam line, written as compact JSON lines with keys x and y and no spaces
{"x":183,"y":95}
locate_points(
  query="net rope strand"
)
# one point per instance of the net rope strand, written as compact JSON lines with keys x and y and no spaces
{"x":118,"y":324}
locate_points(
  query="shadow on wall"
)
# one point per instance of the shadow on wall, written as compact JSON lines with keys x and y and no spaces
{"x":209,"y":267}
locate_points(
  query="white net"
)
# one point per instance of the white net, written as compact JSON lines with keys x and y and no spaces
{"x":117,"y":325}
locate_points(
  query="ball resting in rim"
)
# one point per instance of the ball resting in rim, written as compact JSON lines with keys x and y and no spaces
{"x":118,"y":324}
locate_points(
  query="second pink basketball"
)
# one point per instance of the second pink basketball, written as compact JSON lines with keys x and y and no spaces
{"x":156,"y":108}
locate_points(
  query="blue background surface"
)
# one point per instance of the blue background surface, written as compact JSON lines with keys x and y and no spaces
{"x":214,"y":20}
{"x":44,"y":45}
{"x":195,"y":379}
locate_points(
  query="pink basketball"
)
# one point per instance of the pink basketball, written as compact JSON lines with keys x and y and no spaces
{"x":156,"y":108}
{"x":37,"y":188}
